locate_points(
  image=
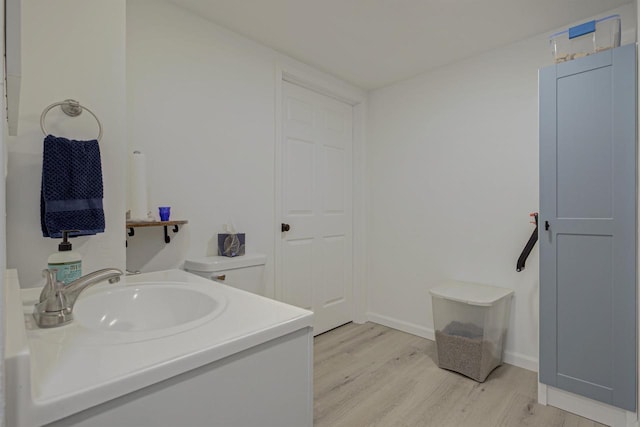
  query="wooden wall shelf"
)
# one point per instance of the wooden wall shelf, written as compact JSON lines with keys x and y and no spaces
{"x":132,"y":225}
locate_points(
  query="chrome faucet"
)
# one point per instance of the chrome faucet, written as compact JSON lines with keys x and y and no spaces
{"x":57,"y":299}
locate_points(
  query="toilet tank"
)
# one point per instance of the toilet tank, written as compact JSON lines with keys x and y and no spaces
{"x":244,"y":272}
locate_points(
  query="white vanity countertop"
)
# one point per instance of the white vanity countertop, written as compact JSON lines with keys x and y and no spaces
{"x":71,"y":372}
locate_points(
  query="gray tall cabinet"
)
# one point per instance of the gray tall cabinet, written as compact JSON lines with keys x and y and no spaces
{"x":587,"y":230}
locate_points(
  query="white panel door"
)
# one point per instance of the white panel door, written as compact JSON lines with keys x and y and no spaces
{"x":316,"y":252}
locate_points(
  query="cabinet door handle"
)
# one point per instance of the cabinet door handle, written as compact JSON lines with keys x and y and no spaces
{"x":546,"y":225}
{"x":285,"y":227}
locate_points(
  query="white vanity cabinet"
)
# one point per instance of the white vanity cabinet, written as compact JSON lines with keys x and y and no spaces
{"x":264,"y":386}
{"x":250,"y":365}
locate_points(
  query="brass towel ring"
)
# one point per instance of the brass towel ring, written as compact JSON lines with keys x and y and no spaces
{"x":71,"y":108}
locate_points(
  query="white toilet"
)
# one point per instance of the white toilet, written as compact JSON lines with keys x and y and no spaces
{"x":244,"y":272}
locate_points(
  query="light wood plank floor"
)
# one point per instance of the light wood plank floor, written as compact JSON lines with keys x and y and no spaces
{"x":371,"y":375}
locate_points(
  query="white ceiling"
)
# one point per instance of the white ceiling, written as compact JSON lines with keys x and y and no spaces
{"x":372,"y":43}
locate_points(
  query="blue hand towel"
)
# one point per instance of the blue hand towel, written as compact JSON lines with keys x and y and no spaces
{"x":71,"y":192}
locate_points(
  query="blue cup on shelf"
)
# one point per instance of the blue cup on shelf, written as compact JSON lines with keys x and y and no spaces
{"x":165,"y":213}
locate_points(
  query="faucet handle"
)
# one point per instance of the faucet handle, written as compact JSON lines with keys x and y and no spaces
{"x":50,"y":287}
{"x":52,"y":294}
{"x":50,"y":274}
{"x":59,"y":300}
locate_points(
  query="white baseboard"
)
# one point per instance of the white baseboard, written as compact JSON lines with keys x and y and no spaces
{"x":410,"y":328}
{"x":521,"y":361}
{"x":585,"y":407}
{"x":515,"y":359}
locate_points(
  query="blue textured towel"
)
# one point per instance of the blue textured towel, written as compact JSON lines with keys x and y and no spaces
{"x":71,"y":192}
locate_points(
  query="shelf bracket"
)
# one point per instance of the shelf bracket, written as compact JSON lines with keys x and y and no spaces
{"x":167,"y":239}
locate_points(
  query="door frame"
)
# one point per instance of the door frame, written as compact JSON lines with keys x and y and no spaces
{"x":357,"y":98}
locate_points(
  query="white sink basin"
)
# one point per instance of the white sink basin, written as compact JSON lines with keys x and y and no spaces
{"x":144,"y":311}
{"x":145,"y":307}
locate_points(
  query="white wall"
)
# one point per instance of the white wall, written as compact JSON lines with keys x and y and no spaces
{"x":202,"y":111}
{"x":201,"y":105}
{"x":453,"y":176}
{"x":70,"y":49}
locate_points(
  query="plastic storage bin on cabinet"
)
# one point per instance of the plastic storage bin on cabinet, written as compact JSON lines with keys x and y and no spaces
{"x":470,"y":321}
{"x":586,"y":39}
